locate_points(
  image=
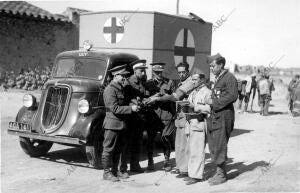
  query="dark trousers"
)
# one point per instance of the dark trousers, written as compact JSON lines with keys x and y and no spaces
{"x":114,"y":146}
{"x":135,"y":143}
{"x":151,"y":133}
{"x":217,"y":142}
{"x":135,"y":136}
{"x":167,"y":137}
{"x":218,"y":135}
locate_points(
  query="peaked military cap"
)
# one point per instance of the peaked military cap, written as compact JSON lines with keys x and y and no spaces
{"x":138,"y":64}
{"x":119,"y":70}
{"x":158,"y":66}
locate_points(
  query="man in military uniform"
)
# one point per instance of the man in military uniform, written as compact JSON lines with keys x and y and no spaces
{"x":183,"y":89}
{"x":117,"y":111}
{"x":136,"y":90}
{"x":164,"y":110}
{"x":221,"y":122}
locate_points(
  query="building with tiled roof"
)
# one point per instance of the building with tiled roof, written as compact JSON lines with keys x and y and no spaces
{"x":31,"y":36}
{"x":25,"y":8}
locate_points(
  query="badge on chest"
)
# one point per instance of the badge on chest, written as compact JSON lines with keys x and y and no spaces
{"x":217,"y":92}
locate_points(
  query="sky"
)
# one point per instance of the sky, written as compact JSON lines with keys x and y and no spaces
{"x":255,"y":32}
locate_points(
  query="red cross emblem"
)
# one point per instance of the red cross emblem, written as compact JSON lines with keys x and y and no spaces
{"x":113,"y":30}
{"x":184,"y":49}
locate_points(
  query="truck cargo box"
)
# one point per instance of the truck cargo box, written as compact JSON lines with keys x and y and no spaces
{"x":154,"y":36}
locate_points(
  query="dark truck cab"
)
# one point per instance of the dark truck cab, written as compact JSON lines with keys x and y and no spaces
{"x":71,"y":108}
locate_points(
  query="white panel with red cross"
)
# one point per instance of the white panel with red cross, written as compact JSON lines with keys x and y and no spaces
{"x":113,"y":30}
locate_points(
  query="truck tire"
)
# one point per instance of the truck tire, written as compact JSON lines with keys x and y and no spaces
{"x":93,"y":150}
{"x":35,"y":148}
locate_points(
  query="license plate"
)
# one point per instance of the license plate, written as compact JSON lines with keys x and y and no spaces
{"x":19,"y":126}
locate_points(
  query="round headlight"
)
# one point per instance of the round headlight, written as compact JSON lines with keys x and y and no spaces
{"x":83,"y":106}
{"x":28,"y":100}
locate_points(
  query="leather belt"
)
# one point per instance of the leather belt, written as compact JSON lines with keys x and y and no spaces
{"x":200,"y":117}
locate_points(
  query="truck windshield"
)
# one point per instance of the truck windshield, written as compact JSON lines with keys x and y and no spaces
{"x":80,"y":67}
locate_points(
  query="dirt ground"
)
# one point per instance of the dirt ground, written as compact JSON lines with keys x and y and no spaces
{"x":263,"y":157}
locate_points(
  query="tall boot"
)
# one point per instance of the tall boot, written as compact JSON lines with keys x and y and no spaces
{"x":107,"y":174}
{"x":150,"y":163}
{"x":220,"y":176}
{"x":167,"y":164}
{"x":135,"y":167}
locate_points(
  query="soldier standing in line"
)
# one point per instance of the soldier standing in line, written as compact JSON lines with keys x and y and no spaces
{"x":221,"y":122}
{"x":117,"y":111}
{"x":165,"y":110}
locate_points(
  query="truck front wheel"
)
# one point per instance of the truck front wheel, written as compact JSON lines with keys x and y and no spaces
{"x":34,"y":147}
{"x":93,"y":150}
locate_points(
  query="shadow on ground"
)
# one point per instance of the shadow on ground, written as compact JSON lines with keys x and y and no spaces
{"x":234,"y":169}
{"x":277,"y":113}
{"x":76,"y":156}
{"x":71,"y":156}
{"x":237,"y":132}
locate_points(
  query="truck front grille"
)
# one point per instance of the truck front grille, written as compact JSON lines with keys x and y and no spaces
{"x":55,"y":105}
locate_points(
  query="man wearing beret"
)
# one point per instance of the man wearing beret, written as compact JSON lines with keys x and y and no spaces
{"x":166,"y":111}
{"x":221,"y":122}
{"x":117,"y":111}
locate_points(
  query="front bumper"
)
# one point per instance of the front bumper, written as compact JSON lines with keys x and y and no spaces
{"x":39,"y":136}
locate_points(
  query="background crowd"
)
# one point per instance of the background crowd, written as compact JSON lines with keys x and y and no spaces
{"x":26,"y":79}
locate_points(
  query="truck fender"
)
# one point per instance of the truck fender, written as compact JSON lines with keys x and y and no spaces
{"x":26,"y":115}
{"x":86,"y":124}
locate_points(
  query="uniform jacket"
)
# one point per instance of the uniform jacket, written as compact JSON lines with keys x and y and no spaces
{"x":224,"y":94}
{"x":145,"y":118}
{"x":117,"y":109}
{"x":165,"y":110}
{"x":135,"y":88}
